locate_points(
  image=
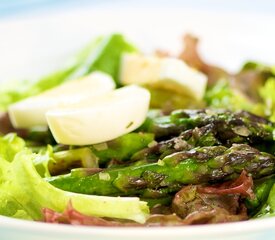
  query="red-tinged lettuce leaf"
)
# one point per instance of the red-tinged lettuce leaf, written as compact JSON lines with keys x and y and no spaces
{"x":215,"y":204}
{"x":191,"y":56}
{"x":216,"y":215}
{"x":243,"y":185}
{"x":74,"y":217}
{"x":160,"y":220}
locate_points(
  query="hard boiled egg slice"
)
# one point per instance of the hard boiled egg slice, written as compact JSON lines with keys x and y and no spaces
{"x":166,"y":73}
{"x":101,"y":119}
{"x":31,"y":111}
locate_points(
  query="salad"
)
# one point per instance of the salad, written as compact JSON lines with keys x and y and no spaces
{"x":120,"y":138}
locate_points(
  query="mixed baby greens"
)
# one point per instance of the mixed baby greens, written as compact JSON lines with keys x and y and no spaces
{"x":180,"y":167}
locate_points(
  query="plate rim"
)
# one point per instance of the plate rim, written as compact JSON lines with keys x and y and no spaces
{"x":243,"y":227}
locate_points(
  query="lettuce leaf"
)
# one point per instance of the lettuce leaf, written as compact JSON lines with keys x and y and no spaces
{"x":10,"y":145}
{"x":251,"y":65}
{"x":267,"y":93}
{"x":102,"y":54}
{"x":223,"y":96}
{"x":268,"y":209}
{"x":261,"y":191}
{"x":55,"y":161}
{"x":23,"y":193}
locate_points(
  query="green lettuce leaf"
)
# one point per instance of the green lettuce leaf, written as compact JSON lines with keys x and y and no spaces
{"x":267,"y":93}
{"x":61,"y":161}
{"x":10,"y":145}
{"x":102,"y":54}
{"x":223,"y":96}
{"x":268,"y":209}
{"x":23,"y":193}
{"x":261,"y":190}
{"x":251,"y":65}
{"x":121,"y":149}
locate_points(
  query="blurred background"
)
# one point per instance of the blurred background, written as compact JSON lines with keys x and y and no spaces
{"x":14,"y":8}
{"x":38,"y":36}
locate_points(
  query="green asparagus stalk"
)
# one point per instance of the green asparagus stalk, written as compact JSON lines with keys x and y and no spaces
{"x":82,"y":157}
{"x":53,"y":163}
{"x":229,"y":127}
{"x":262,"y":188}
{"x":122,"y":148}
{"x":204,"y":136}
{"x":154,"y":180}
{"x":119,"y":150}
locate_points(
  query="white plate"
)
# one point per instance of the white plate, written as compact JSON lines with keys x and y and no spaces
{"x":12,"y":229}
{"x":35,"y":45}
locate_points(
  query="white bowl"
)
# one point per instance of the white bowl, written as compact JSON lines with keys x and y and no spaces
{"x":12,"y":229}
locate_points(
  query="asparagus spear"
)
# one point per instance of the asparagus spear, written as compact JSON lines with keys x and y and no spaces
{"x":119,"y":150}
{"x":229,"y":127}
{"x":204,"y":136}
{"x":153,"y":180}
{"x":122,"y":148}
{"x":262,"y":188}
{"x":234,"y":128}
